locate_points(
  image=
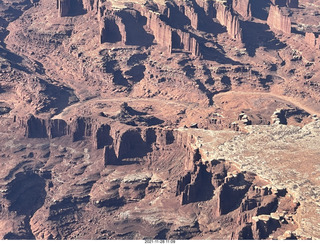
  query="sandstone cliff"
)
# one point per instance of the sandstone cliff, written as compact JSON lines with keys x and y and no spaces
{"x":278,"y":21}
{"x":192,"y":15}
{"x":111,"y":167}
{"x":63,"y":7}
{"x":227,"y":18}
{"x":242,"y":7}
{"x":312,"y":40}
{"x":70,"y":7}
{"x":161,"y":31}
{"x":207,"y":6}
{"x":112,"y":28}
{"x":183,"y":40}
{"x":91,"y":5}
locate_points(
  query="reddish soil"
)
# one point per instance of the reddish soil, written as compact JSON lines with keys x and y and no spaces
{"x":159,"y":119}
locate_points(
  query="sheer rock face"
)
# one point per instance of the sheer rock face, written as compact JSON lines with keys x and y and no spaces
{"x":312,"y":40}
{"x":161,"y":31}
{"x":71,"y":7}
{"x":112,"y":29}
{"x":90,"y":5}
{"x":42,"y":128}
{"x":278,"y":21}
{"x":63,"y":7}
{"x":183,"y":40}
{"x":256,"y":207}
{"x":207,"y":6}
{"x":227,"y":18}
{"x":243,"y":7}
{"x":192,"y":15}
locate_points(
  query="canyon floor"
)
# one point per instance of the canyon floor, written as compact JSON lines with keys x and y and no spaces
{"x":174,"y":119}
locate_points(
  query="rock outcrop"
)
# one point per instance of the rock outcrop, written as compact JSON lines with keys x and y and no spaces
{"x":35,"y":127}
{"x":242,"y":7}
{"x":43,"y":128}
{"x":227,"y":18}
{"x":292,"y":3}
{"x":312,"y":40}
{"x":63,"y":7}
{"x":183,"y":40}
{"x":91,"y":5}
{"x":258,"y":209}
{"x":207,"y":6}
{"x":192,"y":15}
{"x":112,"y":29}
{"x":161,"y":31}
{"x":70,"y":7}
{"x":58,"y":128}
{"x":278,"y":21}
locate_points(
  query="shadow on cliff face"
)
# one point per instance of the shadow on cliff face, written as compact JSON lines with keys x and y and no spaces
{"x":212,"y":54}
{"x":26,"y":194}
{"x":257,"y":35}
{"x":259,"y":9}
{"x":177,"y":19}
{"x":132,"y":146}
{"x":136,"y":73}
{"x":206,"y":22}
{"x":76,"y":8}
{"x":136,"y":34}
{"x":59,"y":96}
{"x":112,"y":34}
{"x":196,"y":186}
{"x":232,"y":194}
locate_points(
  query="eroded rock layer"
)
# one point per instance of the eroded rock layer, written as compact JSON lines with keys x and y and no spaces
{"x":278,"y":21}
{"x":228,"y":19}
{"x":118,"y":174}
{"x":159,"y":119}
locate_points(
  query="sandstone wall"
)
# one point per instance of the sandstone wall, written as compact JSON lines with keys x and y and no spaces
{"x":161,"y":31}
{"x":312,"y":40}
{"x":112,"y":29}
{"x":63,"y":7}
{"x":90,"y":5}
{"x":278,"y":21}
{"x":188,"y":43}
{"x":207,"y":6}
{"x":228,"y":19}
{"x":192,"y":15}
{"x":242,"y":7}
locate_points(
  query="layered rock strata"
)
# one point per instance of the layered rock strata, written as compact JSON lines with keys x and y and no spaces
{"x":312,"y":40}
{"x":227,"y":18}
{"x":63,"y":7}
{"x":112,"y":29}
{"x":183,"y":40}
{"x":243,"y":7}
{"x":278,"y":21}
{"x":161,"y":31}
{"x":192,"y":15}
